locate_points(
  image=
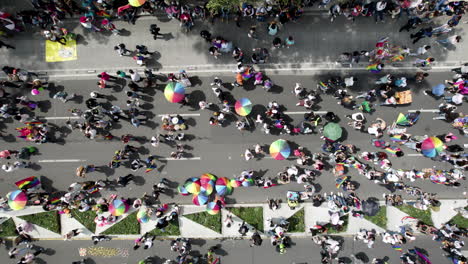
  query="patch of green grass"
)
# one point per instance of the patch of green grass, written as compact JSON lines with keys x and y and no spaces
{"x":8,"y":228}
{"x":251,"y":215}
{"x":171,"y":230}
{"x":332,"y":230}
{"x":297,"y":222}
{"x":47,"y":220}
{"x":128,"y":226}
{"x":205,"y":219}
{"x":380,"y":218}
{"x":85,"y":218}
{"x":460,"y":221}
{"x":422,"y":215}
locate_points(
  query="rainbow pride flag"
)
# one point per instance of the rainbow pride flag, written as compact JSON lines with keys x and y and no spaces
{"x":27,"y":183}
{"x":374,"y":68}
{"x":397,"y":248}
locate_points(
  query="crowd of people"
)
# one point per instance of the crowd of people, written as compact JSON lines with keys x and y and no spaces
{"x":335,"y":156}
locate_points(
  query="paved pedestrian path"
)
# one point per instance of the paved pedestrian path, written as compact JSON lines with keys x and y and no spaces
{"x":189,"y":228}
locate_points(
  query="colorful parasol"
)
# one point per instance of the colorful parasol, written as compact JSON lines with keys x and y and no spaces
{"x":431,"y":147}
{"x":136,"y":3}
{"x":235,"y":183}
{"x":243,"y":107}
{"x":182,"y":190}
{"x":118,"y":207}
{"x":200,"y":199}
{"x":248,"y":182}
{"x":142,"y":216}
{"x":223,"y":186}
{"x":402,"y":120}
{"x":280,"y":149}
{"x":193,"y":185}
{"x":213,"y":208}
{"x":174,"y":92}
{"x":340,"y":181}
{"x":27,"y":183}
{"x":17,"y":199}
{"x":332,"y":131}
{"x":207,"y":183}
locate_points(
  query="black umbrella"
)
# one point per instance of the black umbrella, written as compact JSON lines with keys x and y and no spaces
{"x":370,"y":207}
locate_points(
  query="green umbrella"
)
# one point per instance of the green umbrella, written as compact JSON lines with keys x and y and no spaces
{"x":332,"y":131}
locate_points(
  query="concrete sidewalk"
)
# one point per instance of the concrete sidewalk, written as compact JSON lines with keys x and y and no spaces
{"x":188,"y":228}
{"x":318,"y":45}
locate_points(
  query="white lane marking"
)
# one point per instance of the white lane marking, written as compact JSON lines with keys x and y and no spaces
{"x":179,"y":114}
{"x":414,"y":155}
{"x":304,"y":112}
{"x":61,"y":117}
{"x":60,"y":160}
{"x":424,"y":110}
{"x":214,"y":68}
{"x":192,"y":158}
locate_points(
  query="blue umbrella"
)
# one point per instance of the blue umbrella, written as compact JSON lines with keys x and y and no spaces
{"x":438,"y":90}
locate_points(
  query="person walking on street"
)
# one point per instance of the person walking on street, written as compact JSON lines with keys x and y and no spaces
{"x":122,"y":50}
{"x":422,"y":33}
{"x":135,"y":76}
{"x":106,"y":77}
{"x":154,"y":30}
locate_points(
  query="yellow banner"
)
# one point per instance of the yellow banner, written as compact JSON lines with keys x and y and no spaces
{"x":57,"y":52}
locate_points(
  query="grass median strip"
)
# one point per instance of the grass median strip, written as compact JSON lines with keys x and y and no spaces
{"x":380,"y":218}
{"x":297,"y":222}
{"x":47,"y":220}
{"x":171,"y":230}
{"x":422,"y":215}
{"x":128,"y":226}
{"x":8,"y":228}
{"x":460,"y":221}
{"x":205,"y":219}
{"x":85,"y":218}
{"x":251,"y":215}
{"x":333,"y":230}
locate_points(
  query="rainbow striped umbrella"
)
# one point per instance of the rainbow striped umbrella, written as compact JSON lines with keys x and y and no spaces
{"x":142,"y":216}
{"x":136,"y":3}
{"x":207,"y":182}
{"x":235,"y":183}
{"x":280,"y":149}
{"x":200,"y":199}
{"x":118,"y":207}
{"x":17,"y":200}
{"x":213,"y":208}
{"x":223,"y":186}
{"x":193,"y":185}
{"x":174,"y":92}
{"x":248,"y":182}
{"x":182,"y":190}
{"x":243,"y":107}
{"x":432,"y":147}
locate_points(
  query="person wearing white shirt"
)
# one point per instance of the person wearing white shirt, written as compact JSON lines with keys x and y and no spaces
{"x":134,"y":76}
{"x":421,"y":50}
